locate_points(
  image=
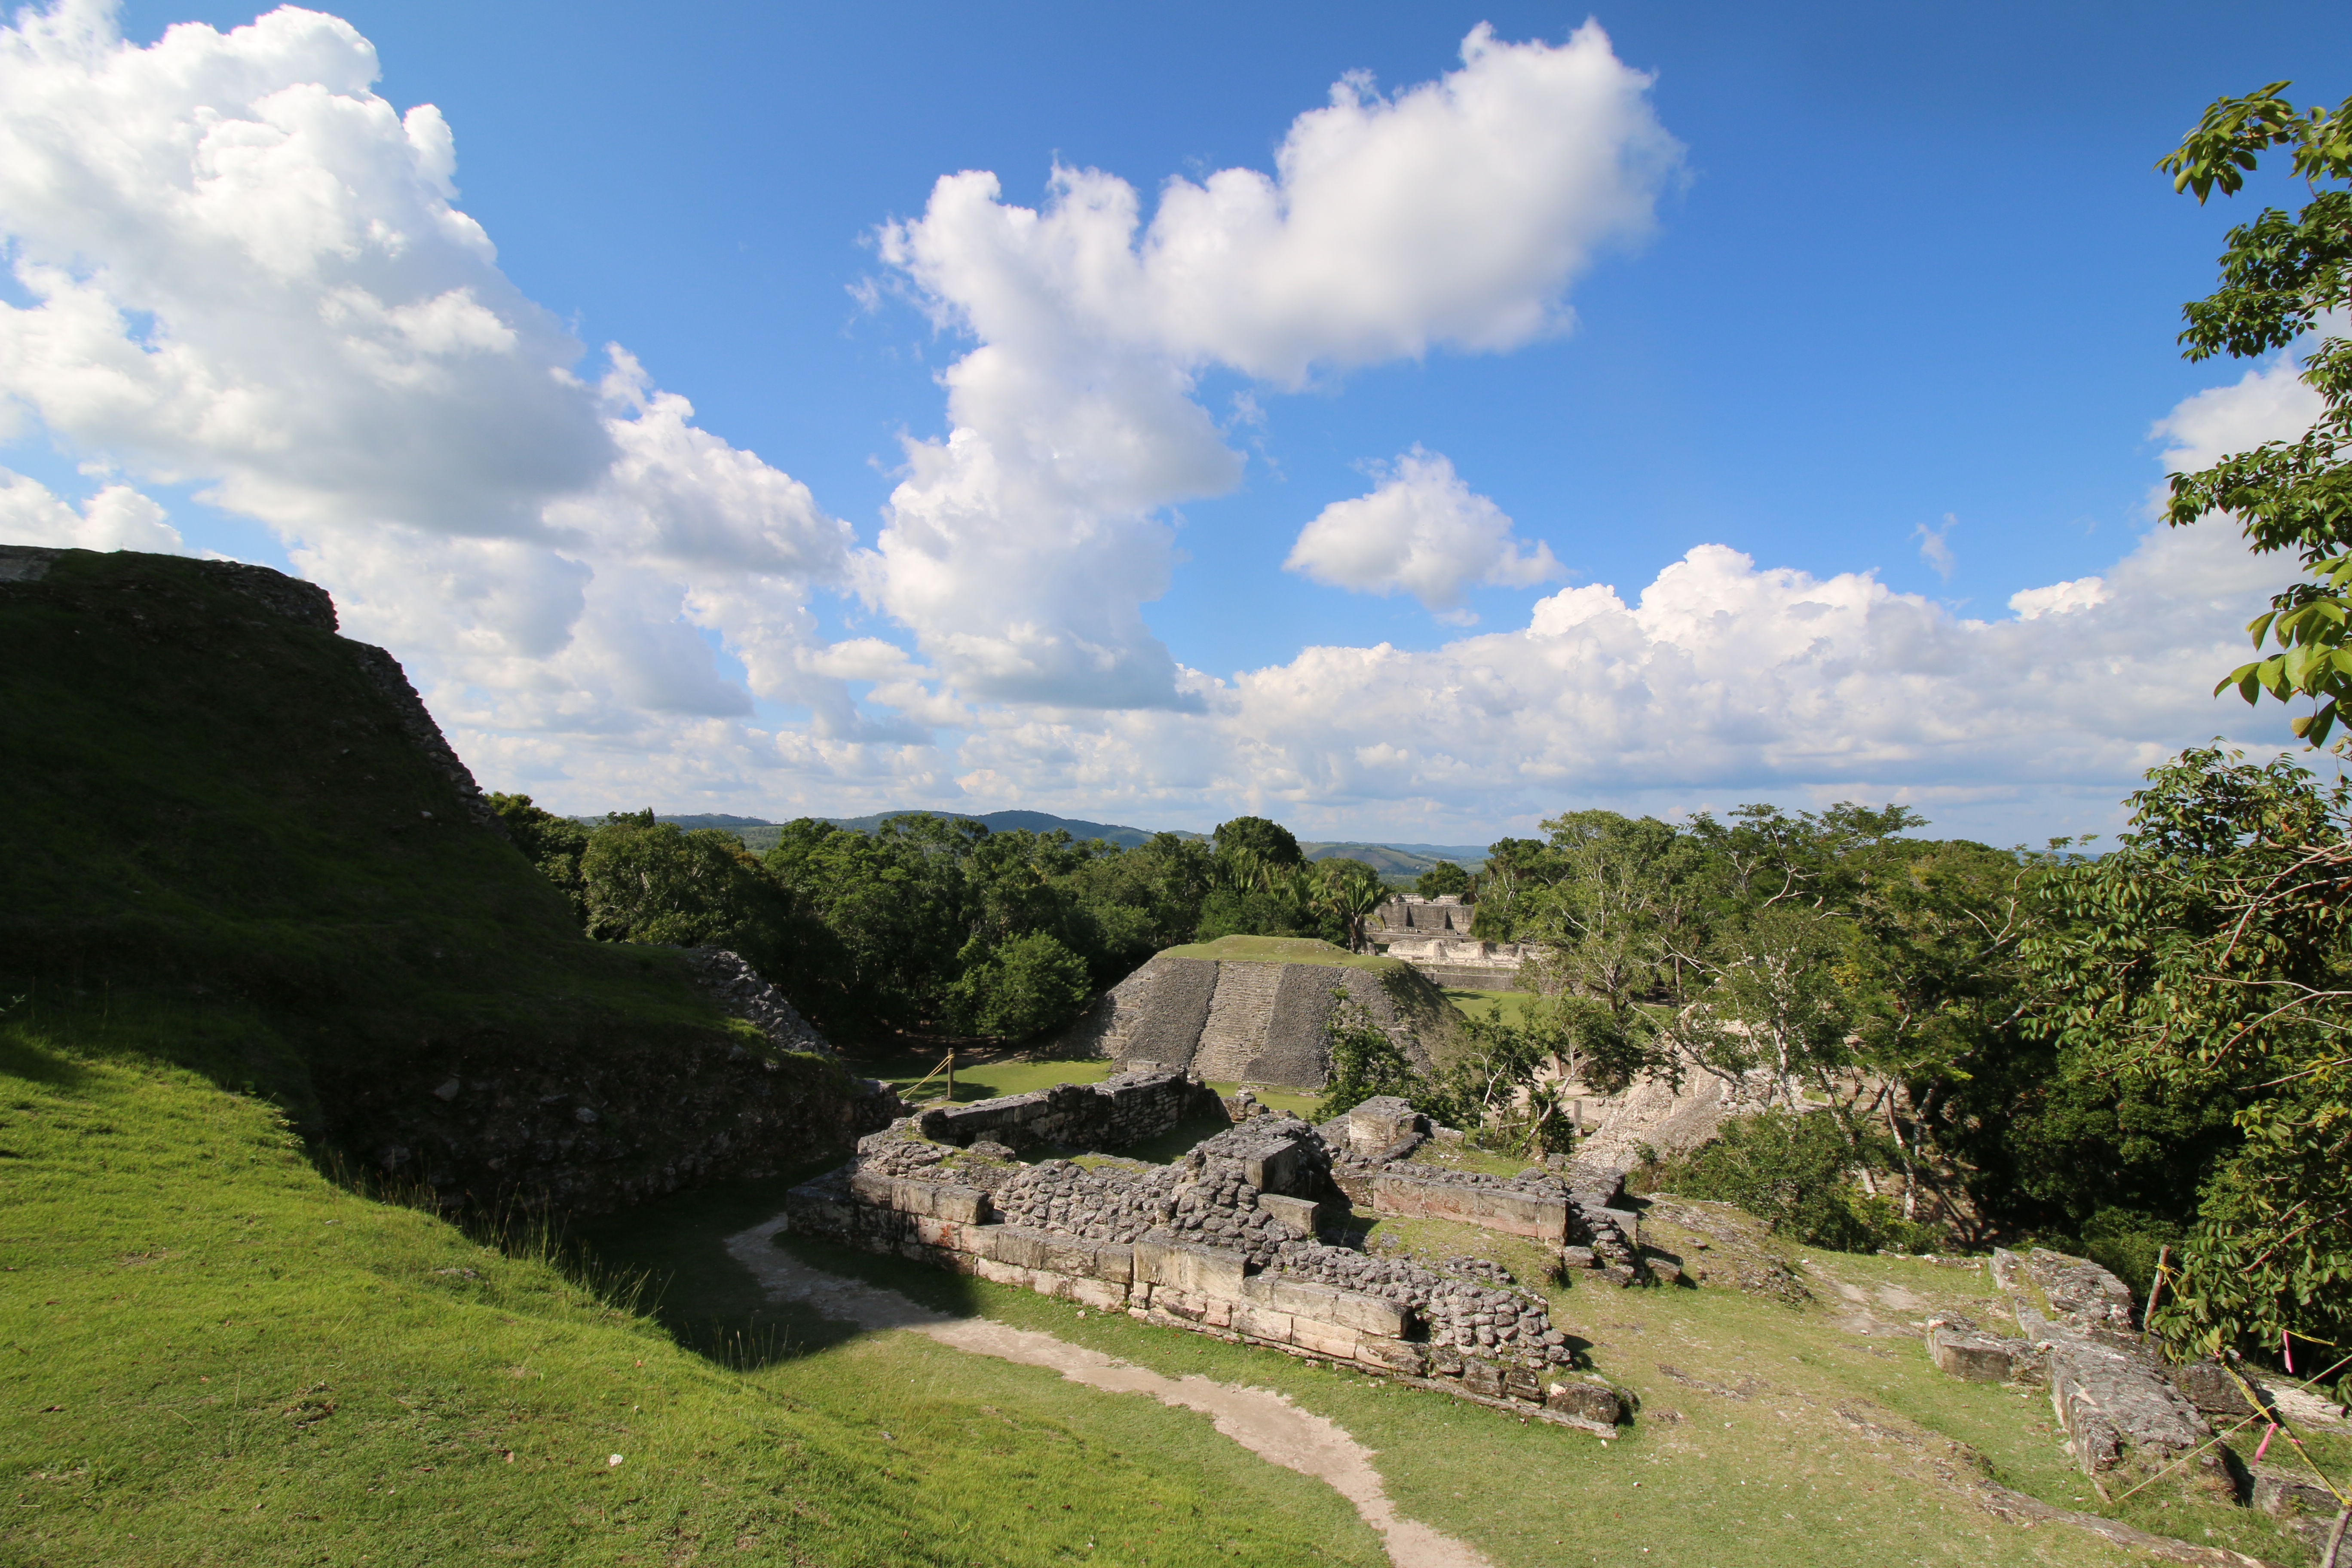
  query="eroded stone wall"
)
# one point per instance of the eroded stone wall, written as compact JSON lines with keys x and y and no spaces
{"x":1221,"y":1241}
{"x":1251,"y":1021}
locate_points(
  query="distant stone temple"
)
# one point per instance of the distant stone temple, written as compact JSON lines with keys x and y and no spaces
{"x":1433,"y":936}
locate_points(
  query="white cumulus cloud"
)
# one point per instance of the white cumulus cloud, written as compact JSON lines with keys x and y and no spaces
{"x":1422,"y":531}
{"x":1021,"y":547}
{"x":115,"y":517}
{"x":245,"y":270}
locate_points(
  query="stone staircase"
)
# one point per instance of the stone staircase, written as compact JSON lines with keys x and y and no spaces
{"x":1239,"y":1014}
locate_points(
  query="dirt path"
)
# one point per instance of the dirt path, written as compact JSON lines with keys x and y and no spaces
{"x":1265,"y":1423}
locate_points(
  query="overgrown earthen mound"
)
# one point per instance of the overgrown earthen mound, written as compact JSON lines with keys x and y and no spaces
{"x":231,"y":837}
{"x":1258,"y":1010}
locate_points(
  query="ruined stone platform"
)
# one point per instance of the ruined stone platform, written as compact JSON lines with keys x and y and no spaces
{"x":1220,"y":1241}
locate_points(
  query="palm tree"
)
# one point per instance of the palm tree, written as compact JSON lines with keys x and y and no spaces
{"x":1348,"y":891}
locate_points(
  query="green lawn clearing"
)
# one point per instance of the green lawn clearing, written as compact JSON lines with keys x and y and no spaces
{"x":209,"y":1353}
{"x":1510,"y":1006}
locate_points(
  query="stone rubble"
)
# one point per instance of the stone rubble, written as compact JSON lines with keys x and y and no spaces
{"x":2120,"y":1407}
{"x":1209,"y":1242}
{"x":739,"y":991}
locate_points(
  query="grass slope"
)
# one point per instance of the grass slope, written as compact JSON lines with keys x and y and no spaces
{"x":1772,"y":1435}
{"x":211,"y":819}
{"x":1288,"y":950}
{"x":210,"y":1353}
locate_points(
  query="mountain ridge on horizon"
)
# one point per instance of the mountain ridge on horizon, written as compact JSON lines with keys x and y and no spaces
{"x":1389,"y":858}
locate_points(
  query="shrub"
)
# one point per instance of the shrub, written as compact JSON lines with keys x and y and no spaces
{"x":1366,"y":1064}
{"x":1793,"y":1171}
{"x":1025,"y":986}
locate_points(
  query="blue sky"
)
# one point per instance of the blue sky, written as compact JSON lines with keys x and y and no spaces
{"x":1912,"y":271}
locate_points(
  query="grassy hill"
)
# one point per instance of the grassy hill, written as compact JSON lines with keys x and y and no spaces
{"x":233,"y":839}
{"x":239,"y":899}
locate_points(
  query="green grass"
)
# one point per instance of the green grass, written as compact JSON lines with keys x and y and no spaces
{"x":1775,"y":1478}
{"x":193,"y":1294}
{"x":250,"y":1364}
{"x":212,"y":817}
{"x":1011,"y":1072}
{"x":1510,"y":1006}
{"x":1286,"y":950}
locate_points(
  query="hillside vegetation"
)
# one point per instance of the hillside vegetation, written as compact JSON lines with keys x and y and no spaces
{"x":219,"y":832}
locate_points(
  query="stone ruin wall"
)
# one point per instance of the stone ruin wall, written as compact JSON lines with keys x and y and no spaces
{"x":1433,"y":936}
{"x":1240,"y":1021}
{"x":1224,"y":1241}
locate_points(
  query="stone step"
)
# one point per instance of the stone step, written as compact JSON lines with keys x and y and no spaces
{"x":1239,"y":1012}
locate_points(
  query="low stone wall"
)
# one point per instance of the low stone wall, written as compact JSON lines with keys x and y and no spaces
{"x":1216,"y":1243}
{"x":1112,"y":1114}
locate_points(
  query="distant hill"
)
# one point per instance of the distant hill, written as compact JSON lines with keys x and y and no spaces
{"x":1393,"y":861}
{"x":1008,"y":821}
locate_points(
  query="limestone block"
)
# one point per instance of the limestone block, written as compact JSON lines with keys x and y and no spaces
{"x":1353,"y":1308}
{"x":2289,"y":1494}
{"x":961,"y":1205}
{"x":1069,"y":1255}
{"x":1304,"y":1215}
{"x":1491,"y":1208}
{"x":1100,"y":1294}
{"x":1444,"y":1360}
{"x":962,"y":1124}
{"x":1978,"y":1358}
{"x":1380,"y":1121}
{"x":2111,"y":1401}
{"x":1395,"y":1355}
{"x":1577,"y":1257}
{"x":1520,"y":1382}
{"x":1001,"y":1273}
{"x":873,"y":1187}
{"x":2208,"y":1386}
{"x":1208,"y":1271}
{"x":942,"y":1233}
{"x":1626,"y":1221}
{"x":1262,"y":1322}
{"x":1333,"y":1340}
{"x":1114,"y":1262}
{"x":1218,"y":1314}
{"x":1482,"y":1377}
{"x":1589,"y":1401}
{"x":1020,"y":1246}
{"x":1276,"y":1163}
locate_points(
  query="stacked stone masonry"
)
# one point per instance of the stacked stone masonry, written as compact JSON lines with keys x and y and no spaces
{"x":1433,"y":936}
{"x":1237,"y":1021}
{"x":1221,"y":1241}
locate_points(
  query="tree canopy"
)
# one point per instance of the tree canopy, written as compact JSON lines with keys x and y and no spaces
{"x":2281,"y":276}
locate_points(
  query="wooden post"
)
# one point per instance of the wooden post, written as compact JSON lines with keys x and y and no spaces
{"x":951,"y":1075}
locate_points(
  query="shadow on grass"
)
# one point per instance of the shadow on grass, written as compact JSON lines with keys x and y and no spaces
{"x":26,"y":1056}
{"x":1178,"y":1140}
{"x":710,"y":1304}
